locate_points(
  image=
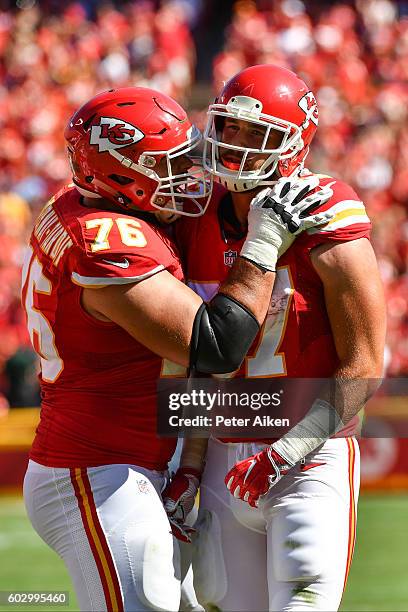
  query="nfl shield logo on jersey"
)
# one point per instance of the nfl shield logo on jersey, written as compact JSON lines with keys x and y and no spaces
{"x":230,"y":257}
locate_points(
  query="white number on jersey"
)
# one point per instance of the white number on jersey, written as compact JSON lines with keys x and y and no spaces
{"x":267,"y":360}
{"x":41,"y":334}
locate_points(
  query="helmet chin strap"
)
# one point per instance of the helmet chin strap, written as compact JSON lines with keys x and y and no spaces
{"x":243,"y":185}
{"x":166,"y":216}
{"x":87,"y":194}
{"x":295,"y":172}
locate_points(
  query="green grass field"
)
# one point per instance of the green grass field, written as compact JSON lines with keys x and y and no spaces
{"x":378,"y":578}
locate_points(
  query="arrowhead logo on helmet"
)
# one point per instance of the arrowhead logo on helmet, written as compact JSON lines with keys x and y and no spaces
{"x":113,"y":133}
{"x":308,"y":104}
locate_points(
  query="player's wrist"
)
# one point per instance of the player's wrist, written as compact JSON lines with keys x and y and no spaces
{"x":260,"y":252}
{"x":319,"y":424}
{"x":277,"y":460}
{"x":257,"y":265}
{"x":192,"y":472}
{"x":193,"y":454}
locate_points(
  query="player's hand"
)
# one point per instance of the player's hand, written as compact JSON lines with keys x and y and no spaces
{"x":278,"y":214}
{"x":254,"y":476}
{"x":178,"y":500}
{"x":181,"y":531}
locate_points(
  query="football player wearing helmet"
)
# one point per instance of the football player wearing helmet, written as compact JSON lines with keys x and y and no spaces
{"x":277,"y":517}
{"x":105,"y":302}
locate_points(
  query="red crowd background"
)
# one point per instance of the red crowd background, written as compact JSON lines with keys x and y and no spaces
{"x":353,"y":54}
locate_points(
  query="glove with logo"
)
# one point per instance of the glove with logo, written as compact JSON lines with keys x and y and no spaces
{"x":277,"y":214}
{"x":178,"y":500}
{"x":256,"y":475}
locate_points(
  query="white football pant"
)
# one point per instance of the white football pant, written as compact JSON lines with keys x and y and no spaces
{"x":294,"y":551}
{"x":109,"y":526}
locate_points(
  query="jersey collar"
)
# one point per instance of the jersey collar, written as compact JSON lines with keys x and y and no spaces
{"x":231,"y":228}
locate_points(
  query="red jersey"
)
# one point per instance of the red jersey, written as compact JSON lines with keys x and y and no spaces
{"x":98,"y":384}
{"x":296,"y":339}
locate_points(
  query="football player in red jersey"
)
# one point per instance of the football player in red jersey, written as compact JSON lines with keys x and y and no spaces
{"x":278,"y":517}
{"x":105,"y":302}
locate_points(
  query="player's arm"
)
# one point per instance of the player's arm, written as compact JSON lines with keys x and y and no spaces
{"x":356,"y":309}
{"x":355,"y":305}
{"x":180,"y":494}
{"x":167,"y":317}
{"x":171,"y":320}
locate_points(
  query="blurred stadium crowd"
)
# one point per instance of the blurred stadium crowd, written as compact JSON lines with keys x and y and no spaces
{"x":354,"y":55}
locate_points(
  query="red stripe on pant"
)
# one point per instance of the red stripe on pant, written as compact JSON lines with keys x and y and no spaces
{"x":97,"y":540}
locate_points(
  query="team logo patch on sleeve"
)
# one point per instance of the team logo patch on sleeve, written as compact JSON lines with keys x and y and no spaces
{"x":230,"y":257}
{"x":113,"y":133}
{"x":308,"y":105}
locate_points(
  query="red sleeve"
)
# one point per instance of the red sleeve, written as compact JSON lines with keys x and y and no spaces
{"x":119,"y":249}
{"x":350,"y":220}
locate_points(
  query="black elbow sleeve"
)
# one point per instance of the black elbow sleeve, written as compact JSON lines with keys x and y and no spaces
{"x":223,"y":332}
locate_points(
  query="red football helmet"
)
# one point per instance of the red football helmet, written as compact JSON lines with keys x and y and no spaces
{"x":134,"y":146}
{"x":275,"y":99}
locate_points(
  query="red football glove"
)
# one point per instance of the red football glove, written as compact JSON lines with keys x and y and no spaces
{"x":178,"y":500}
{"x":254,"y":476}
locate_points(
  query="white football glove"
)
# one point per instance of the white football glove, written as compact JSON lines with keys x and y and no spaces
{"x":277,"y":214}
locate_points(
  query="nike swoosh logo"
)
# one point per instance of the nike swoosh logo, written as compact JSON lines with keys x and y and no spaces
{"x":310,"y":466}
{"x":119,"y":264}
{"x":249,"y":470}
